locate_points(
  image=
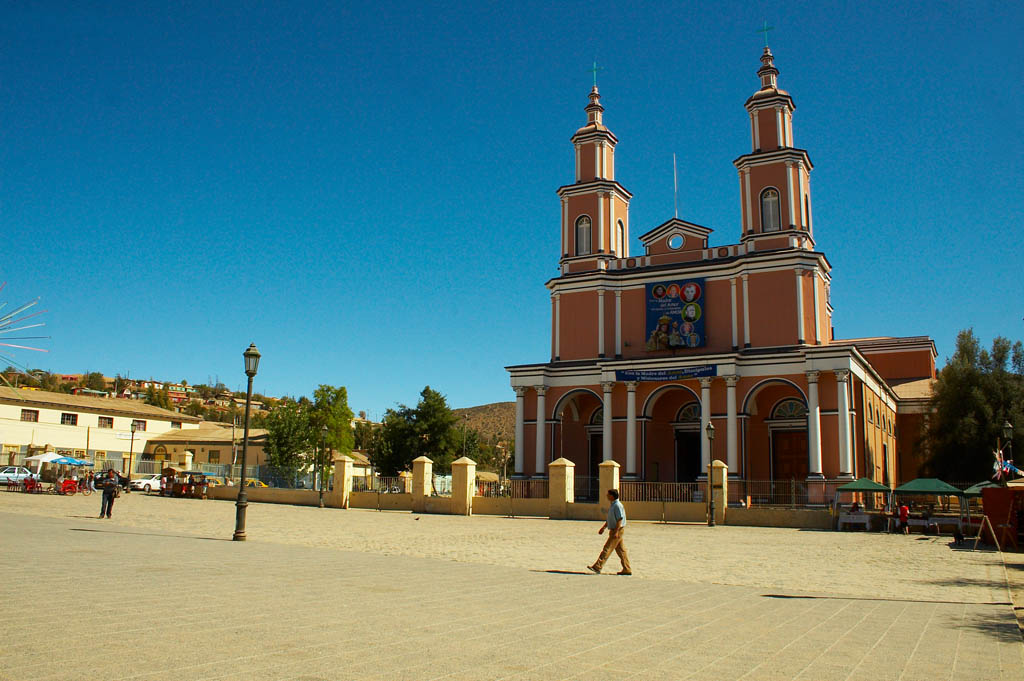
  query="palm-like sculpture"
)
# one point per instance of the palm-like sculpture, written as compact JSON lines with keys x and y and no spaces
{"x":13,"y":328}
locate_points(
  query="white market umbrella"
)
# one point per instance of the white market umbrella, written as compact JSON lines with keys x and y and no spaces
{"x":40,"y":459}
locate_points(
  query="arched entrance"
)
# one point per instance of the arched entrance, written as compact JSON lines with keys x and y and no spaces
{"x":671,"y":451}
{"x":574,"y":435}
{"x":775,"y":441}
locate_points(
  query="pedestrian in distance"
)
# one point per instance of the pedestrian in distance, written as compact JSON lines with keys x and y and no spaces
{"x":616,"y":526}
{"x":109,"y":485}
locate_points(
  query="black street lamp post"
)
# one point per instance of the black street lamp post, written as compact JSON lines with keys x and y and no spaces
{"x":710,"y":432}
{"x":322,"y":462}
{"x":131,"y":452}
{"x":252,"y":363}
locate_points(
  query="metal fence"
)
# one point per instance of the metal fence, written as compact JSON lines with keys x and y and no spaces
{"x":792,"y":493}
{"x":587,"y":489}
{"x":528,"y":489}
{"x":663,"y":491}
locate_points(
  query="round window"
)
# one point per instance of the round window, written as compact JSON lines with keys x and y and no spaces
{"x":675,"y":241}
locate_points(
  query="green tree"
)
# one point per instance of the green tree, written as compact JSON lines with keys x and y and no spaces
{"x":288,"y":438}
{"x":428,"y":430}
{"x":362,"y":434}
{"x":976,"y":392}
{"x":158,"y":398}
{"x":93,"y":380}
{"x":195,"y":409}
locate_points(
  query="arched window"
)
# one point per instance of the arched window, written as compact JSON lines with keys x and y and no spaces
{"x":790,"y":409}
{"x":598,"y":417}
{"x":770,"y":220}
{"x":690,"y":412}
{"x":583,"y":236}
{"x":622,"y":239}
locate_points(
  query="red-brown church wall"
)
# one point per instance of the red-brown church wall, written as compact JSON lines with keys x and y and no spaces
{"x":578,"y":329}
{"x":772,"y":308}
{"x":633,"y":320}
{"x":909,"y":431}
{"x":906,"y":364}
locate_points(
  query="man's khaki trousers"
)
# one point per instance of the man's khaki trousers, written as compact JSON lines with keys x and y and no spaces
{"x":614,"y":542}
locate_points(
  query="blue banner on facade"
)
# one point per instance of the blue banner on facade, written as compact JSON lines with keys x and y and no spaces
{"x":665,"y":374}
{"x":675,"y":315}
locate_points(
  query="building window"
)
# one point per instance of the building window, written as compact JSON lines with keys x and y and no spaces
{"x":790,"y":409}
{"x":69,"y":419}
{"x":869,"y":414}
{"x":770,"y":218}
{"x":214,"y":456}
{"x":139,"y":425}
{"x":598,"y":416}
{"x":31,"y":415}
{"x":176,"y":424}
{"x":622,"y":238}
{"x":583,"y":236}
{"x":106,"y":422}
{"x":689,"y":413}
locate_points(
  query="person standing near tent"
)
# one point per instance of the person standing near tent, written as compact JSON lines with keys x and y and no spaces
{"x":109,"y":484}
{"x":904,"y":519}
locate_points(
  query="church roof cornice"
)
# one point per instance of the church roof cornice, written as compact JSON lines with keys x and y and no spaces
{"x":675,"y":225}
{"x":591,"y":187}
{"x":757,"y":158}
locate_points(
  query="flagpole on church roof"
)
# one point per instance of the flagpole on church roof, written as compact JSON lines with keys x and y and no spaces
{"x":675,"y":185}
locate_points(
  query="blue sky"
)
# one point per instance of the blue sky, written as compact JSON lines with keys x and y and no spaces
{"x":366,"y":190}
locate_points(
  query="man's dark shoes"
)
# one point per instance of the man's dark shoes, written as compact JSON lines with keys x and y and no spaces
{"x":593,"y":568}
{"x":624,"y":573}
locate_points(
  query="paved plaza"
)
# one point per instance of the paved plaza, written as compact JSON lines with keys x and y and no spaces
{"x":331,"y":594}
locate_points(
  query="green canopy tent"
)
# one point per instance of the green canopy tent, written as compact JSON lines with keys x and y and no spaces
{"x":975,"y":490}
{"x":932,"y":486}
{"x":866,"y":485}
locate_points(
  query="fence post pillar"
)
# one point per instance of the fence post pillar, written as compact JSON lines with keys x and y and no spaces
{"x":720,"y":481}
{"x":339,"y":496}
{"x":608,"y":473}
{"x":561,"y":488}
{"x":422,"y":475}
{"x":406,"y":477}
{"x":463,"y":485}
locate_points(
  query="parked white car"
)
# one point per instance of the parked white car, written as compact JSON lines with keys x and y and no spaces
{"x":14,"y":474}
{"x":146,"y":483}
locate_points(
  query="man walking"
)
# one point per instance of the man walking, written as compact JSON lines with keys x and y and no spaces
{"x":616,"y":526}
{"x":109,"y":484}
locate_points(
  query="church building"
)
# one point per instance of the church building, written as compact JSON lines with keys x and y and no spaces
{"x":648,"y":348}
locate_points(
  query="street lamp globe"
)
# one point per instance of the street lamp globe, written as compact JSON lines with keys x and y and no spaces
{"x":252,"y":360}
{"x":134,"y":426}
{"x":710,"y":431}
{"x":1007,"y":431}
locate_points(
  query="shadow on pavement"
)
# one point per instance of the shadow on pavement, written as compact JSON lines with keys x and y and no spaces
{"x":564,"y":572}
{"x":145,"y":534}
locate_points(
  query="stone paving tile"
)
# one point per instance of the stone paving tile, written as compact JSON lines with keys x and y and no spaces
{"x":271,"y":610}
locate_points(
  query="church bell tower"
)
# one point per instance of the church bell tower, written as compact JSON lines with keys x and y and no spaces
{"x":775,"y":177}
{"x":595,"y":208}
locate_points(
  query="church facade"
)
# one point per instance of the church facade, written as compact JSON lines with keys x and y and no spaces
{"x":648,"y":348}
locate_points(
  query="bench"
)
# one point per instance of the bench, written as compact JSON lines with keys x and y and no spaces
{"x":855,"y":519}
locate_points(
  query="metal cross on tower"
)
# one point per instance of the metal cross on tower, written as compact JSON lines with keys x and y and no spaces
{"x":764,"y":29}
{"x":594,"y":70}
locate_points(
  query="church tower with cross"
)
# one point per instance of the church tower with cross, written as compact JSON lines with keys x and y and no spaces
{"x":652,"y":350}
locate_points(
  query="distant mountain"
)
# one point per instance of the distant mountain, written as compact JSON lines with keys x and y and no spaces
{"x":497,"y":420}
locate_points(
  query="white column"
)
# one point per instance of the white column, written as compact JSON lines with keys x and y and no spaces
{"x":750,"y":215}
{"x":799,"y":305}
{"x":705,"y":419}
{"x":789,"y":191}
{"x":753,"y":143}
{"x":735,"y":312}
{"x":618,"y":323}
{"x":813,"y":426}
{"x":845,"y":462}
{"x":520,"y":437}
{"x":600,"y":323}
{"x":610,"y":168}
{"x":746,"y":312}
{"x":631,"y":428}
{"x":565,"y":225}
{"x":597,"y":160}
{"x":606,"y":427}
{"x":732,"y":455}
{"x":613,"y":230}
{"x":803,"y":207}
{"x":778,"y":127}
{"x":810,"y":209}
{"x":541,"y":454}
{"x":757,"y":131}
{"x":600,"y":222}
{"x":789,"y":129}
{"x":743,"y":217}
{"x":625,"y":247}
{"x":577,"y":163}
{"x":558,"y":325}
{"x":604,"y":159}
{"x":817,"y":313}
